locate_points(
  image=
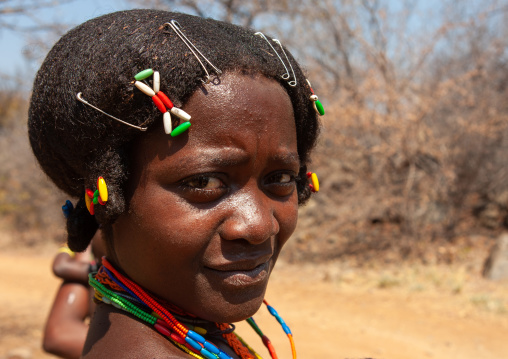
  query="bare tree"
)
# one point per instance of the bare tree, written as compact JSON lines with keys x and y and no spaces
{"x":23,"y":18}
{"x":415,"y":136}
{"x":246,"y":13}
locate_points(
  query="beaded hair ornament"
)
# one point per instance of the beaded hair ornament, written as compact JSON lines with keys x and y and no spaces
{"x":99,"y":196}
{"x":162,"y":101}
{"x":291,"y":80}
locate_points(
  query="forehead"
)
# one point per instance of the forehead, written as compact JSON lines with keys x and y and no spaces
{"x":242,"y":112}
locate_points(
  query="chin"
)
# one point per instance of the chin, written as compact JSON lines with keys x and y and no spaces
{"x":238,"y":313}
{"x":226,"y":310}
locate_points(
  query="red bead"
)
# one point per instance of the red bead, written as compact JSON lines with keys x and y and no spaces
{"x":164,"y":331}
{"x":309,"y":174}
{"x":100,"y":201}
{"x":159,"y":104}
{"x":165,"y":99}
{"x":89,"y":193}
{"x":271,"y":349}
{"x":265,"y":340}
{"x":268,"y":344}
{"x":163,"y":323}
{"x":178,"y":339}
{"x":92,"y":210}
{"x":156,"y":307}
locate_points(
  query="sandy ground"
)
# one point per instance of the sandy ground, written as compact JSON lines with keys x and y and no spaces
{"x":333,"y":311}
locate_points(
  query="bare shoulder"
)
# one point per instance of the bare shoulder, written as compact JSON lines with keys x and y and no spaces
{"x":115,"y":334}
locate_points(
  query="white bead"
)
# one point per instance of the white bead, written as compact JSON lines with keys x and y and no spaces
{"x":313,"y":97}
{"x":144,"y":88}
{"x":180,"y":113}
{"x":166,"y":119}
{"x":156,"y":81}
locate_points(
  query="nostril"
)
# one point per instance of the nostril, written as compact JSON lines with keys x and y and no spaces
{"x":250,"y":215}
{"x":253,"y":226}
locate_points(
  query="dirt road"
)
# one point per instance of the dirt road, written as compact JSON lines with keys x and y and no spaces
{"x":334,"y":312}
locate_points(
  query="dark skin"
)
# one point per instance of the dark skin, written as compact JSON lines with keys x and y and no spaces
{"x":66,"y":330}
{"x":72,"y":269}
{"x":209,"y":212}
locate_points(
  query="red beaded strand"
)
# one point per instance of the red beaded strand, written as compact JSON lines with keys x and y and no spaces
{"x":156,"y":307}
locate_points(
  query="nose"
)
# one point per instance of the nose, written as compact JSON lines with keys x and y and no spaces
{"x":250,"y":216}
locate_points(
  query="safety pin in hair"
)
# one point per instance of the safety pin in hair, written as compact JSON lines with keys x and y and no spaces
{"x":82,"y":100}
{"x":285,"y":76}
{"x":176,"y":28}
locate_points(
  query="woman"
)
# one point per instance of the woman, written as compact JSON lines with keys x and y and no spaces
{"x":187,"y":140}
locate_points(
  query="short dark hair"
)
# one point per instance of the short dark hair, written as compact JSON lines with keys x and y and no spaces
{"x":76,"y":144}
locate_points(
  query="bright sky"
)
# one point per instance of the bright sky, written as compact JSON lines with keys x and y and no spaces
{"x":76,"y":12}
{"x":12,"y":43}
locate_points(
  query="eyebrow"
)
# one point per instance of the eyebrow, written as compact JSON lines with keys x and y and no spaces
{"x":232,"y":157}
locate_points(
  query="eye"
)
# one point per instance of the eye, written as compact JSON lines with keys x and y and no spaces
{"x":281,"y":178}
{"x":281,"y":183}
{"x":202,"y":188}
{"x":285,"y":178}
{"x":205,"y":182}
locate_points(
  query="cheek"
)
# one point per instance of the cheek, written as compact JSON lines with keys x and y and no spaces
{"x":168,"y":222}
{"x":287,"y":218}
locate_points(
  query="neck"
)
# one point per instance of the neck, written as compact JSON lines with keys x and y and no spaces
{"x":189,"y":333}
{"x":130,"y":297}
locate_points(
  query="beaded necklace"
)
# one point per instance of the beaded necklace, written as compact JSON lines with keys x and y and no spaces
{"x":111,"y":287}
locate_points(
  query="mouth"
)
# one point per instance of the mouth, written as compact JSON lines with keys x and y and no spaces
{"x":241,"y":274}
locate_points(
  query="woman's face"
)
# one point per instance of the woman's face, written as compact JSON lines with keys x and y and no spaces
{"x":210,"y":210}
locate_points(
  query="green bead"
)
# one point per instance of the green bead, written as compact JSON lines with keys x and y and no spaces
{"x":122,"y":302}
{"x":143,"y":74}
{"x":320,"y":108}
{"x":180,"y":129}
{"x":95,"y":200}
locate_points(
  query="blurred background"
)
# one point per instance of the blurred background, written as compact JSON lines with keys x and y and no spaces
{"x":412,"y":158}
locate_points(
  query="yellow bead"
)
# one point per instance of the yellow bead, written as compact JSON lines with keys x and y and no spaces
{"x":103,"y":189}
{"x":88,"y":202}
{"x":315,"y":181}
{"x":200,"y":331}
{"x":156,"y":315}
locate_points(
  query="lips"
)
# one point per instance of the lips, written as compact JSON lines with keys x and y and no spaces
{"x":240,"y":265}
{"x":241,"y":273}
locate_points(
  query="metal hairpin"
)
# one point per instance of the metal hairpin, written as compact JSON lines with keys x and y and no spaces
{"x":285,"y":76}
{"x":82,"y":100}
{"x":176,"y":28}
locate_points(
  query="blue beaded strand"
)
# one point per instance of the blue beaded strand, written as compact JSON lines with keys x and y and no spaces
{"x":279,"y":319}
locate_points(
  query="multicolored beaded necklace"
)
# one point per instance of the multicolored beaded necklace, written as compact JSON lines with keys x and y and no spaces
{"x":111,"y":287}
